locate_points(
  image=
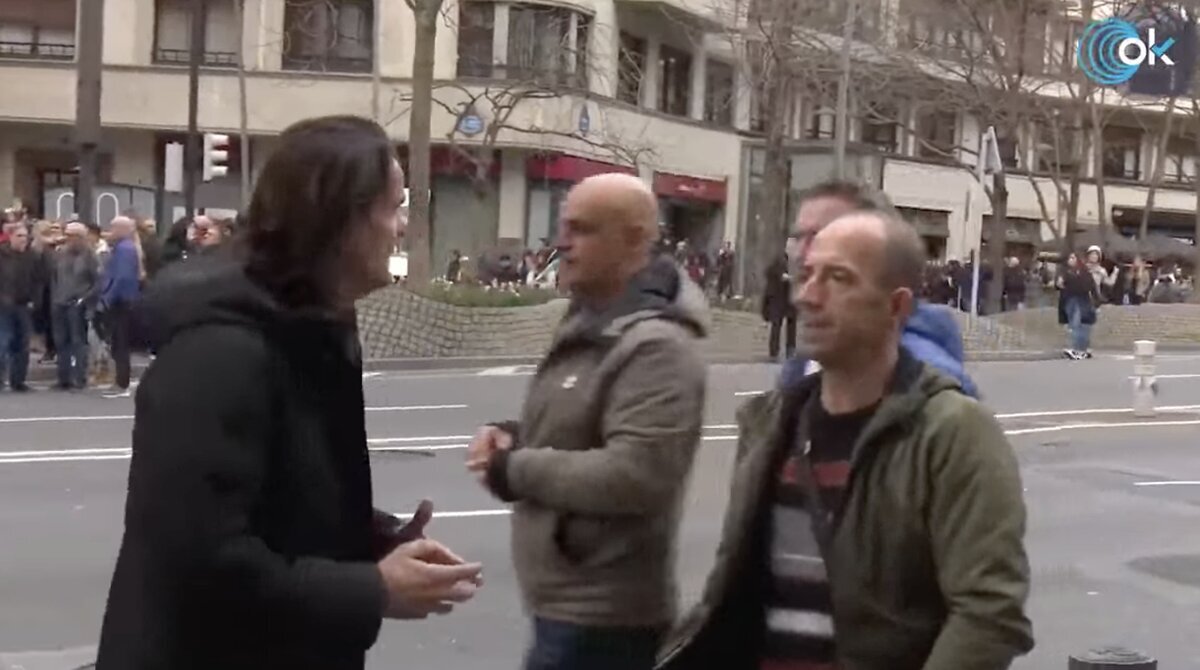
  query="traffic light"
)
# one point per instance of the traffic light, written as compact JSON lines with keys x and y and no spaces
{"x":216,"y":153}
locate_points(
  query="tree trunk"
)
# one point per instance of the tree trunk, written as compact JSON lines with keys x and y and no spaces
{"x":243,"y":116}
{"x":418,"y":233}
{"x":1101,"y":202}
{"x":1160,"y":159}
{"x":1079,"y":154}
{"x":999,"y":237}
{"x":1196,"y":184}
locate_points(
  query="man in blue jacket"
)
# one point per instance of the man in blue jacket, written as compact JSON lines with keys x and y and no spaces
{"x":122,"y":288}
{"x":931,"y":334}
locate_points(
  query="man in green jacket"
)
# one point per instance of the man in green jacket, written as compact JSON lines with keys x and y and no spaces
{"x":597,"y":466}
{"x":876,"y":520}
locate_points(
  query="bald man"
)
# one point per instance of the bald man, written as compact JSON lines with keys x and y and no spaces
{"x":122,"y":289}
{"x":597,"y":465}
{"x":889,"y":500}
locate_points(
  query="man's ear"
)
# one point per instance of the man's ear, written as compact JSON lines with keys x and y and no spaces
{"x":903,"y":303}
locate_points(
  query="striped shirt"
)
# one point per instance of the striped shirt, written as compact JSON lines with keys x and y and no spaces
{"x":799,"y":608}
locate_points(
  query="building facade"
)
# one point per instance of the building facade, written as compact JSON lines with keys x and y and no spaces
{"x":531,"y":97}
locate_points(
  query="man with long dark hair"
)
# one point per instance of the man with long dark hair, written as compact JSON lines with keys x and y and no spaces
{"x":250,"y":537}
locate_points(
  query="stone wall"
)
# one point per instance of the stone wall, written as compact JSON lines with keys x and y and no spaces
{"x":395,"y":323}
{"x":1117,"y":326}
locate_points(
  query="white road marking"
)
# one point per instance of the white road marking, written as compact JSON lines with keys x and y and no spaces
{"x":743,"y":394}
{"x":1086,"y":426}
{"x":468,"y":514}
{"x":427,"y":438}
{"x":1080,"y":412}
{"x":505,"y":371}
{"x":1181,"y":376}
{"x":129,"y":417}
{"x":371,"y":375}
{"x":1172,"y":483}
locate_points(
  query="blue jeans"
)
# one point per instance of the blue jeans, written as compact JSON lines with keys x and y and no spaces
{"x":16,"y":324}
{"x":566,"y":646}
{"x":1081,"y":333}
{"x":71,"y":341}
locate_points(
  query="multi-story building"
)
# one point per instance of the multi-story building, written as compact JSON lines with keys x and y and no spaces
{"x":532,"y":96}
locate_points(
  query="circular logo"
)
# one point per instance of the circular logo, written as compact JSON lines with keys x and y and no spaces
{"x":1100,"y":54}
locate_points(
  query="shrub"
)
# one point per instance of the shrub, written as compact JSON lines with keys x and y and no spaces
{"x":475,"y":295}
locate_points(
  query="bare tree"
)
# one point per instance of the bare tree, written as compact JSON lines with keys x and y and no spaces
{"x":426,"y":13}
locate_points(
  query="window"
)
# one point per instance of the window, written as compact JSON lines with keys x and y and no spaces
{"x":1054,"y":150}
{"x":1122,"y":157}
{"x":936,"y":136}
{"x":476,"y":33}
{"x":630,"y":69}
{"x":547,"y":45}
{"x":42,"y":29}
{"x":173,"y":32}
{"x":718,"y":93}
{"x":822,"y":116}
{"x":674,"y":81}
{"x":328,"y":35}
{"x":879,"y":126}
{"x":1179,"y":165}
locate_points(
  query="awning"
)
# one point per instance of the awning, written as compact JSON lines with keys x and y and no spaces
{"x":928,"y":222}
{"x":560,"y":167}
{"x":690,"y":188}
{"x":1018,"y":230}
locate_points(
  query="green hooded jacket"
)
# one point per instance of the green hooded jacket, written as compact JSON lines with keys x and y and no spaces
{"x":926,"y":562}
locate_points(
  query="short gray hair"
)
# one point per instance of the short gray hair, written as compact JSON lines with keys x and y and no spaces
{"x":863,"y":197}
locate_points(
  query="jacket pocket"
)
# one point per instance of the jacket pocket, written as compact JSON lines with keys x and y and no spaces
{"x":590,"y":541}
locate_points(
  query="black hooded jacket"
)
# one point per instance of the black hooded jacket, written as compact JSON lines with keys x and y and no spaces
{"x":250,"y":538}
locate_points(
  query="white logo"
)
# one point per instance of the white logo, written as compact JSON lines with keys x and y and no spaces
{"x":569,"y":382}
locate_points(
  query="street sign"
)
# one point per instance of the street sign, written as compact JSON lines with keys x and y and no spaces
{"x":173,"y":167}
{"x":470,"y":124}
{"x":585,"y":120}
{"x":989,"y":154}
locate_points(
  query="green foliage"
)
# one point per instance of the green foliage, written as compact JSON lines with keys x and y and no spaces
{"x":475,"y":295}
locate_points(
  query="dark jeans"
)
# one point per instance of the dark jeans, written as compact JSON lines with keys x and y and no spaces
{"x":16,"y":325}
{"x":119,"y":319}
{"x":773,"y":342}
{"x":71,"y":341}
{"x":565,"y":646}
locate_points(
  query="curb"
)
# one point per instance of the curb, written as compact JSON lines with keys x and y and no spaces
{"x":1013,"y":356}
{"x":78,"y":658}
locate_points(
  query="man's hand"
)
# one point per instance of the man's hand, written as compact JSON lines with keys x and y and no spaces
{"x":423,"y":577}
{"x":487,"y":441}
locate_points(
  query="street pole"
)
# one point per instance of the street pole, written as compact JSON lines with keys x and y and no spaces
{"x":191,"y":152}
{"x":89,"y":73}
{"x":842,"y":121}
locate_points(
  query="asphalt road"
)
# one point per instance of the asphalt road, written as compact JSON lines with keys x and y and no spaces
{"x":1112,"y":534}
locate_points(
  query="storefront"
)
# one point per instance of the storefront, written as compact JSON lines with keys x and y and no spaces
{"x":1021,"y":237}
{"x":691,"y":209}
{"x":550,"y":177}
{"x":933,"y":226}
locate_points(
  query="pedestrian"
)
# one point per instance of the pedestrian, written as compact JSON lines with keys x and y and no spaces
{"x":454,"y":267}
{"x":876,"y":519}
{"x":150,"y":249}
{"x":777,"y":307}
{"x":930,"y":333}
{"x":598,"y":464}
{"x":47,"y":237}
{"x":1078,"y":299}
{"x":20,"y":292}
{"x":250,"y":538}
{"x":1103,"y":278}
{"x":74,"y":282}
{"x":119,"y":296}
{"x":726,"y":259}
{"x":178,"y":245}
{"x":1014,"y":286}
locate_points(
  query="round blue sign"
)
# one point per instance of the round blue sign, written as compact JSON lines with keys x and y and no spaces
{"x":470,"y":124}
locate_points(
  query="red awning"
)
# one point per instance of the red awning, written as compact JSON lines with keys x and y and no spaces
{"x":559,"y":167}
{"x":690,"y":188}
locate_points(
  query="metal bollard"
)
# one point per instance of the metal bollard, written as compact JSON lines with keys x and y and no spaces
{"x":1145,"y":386}
{"x":1112,"y":658}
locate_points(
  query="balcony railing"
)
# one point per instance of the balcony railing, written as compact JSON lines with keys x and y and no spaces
{"x":38,"y":51}
{"x":327,"y":63}
{"x":183,"y":57}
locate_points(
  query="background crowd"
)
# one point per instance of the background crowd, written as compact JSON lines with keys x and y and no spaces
{"x":69,"y":293}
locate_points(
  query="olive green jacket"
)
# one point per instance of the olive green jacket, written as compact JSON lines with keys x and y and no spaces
{"x":926,"y":562}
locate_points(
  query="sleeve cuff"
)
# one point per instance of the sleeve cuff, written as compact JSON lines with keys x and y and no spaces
{"x":497,"y":476}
